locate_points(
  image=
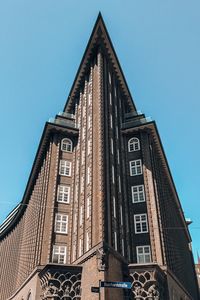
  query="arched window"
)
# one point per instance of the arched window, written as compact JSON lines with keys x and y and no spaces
{"x":133,"y":144}
{"x":66,"y":145}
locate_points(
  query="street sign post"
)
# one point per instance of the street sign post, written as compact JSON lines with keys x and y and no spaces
{"x":118,"y":285}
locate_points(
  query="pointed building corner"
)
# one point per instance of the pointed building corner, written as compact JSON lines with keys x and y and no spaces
{"x":99,"y":41}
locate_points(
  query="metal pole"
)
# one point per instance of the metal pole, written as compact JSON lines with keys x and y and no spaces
{"x":99,"y":289}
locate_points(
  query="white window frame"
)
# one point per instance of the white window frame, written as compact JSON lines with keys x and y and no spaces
{"x":133,"y":144}
{"x":60,"y":223}
{"x":65,"y":168}
{"x":63,"y":193}
{"x":138,"y":224}
{"x":138,"y":194}
{"x":143,"y":257}
{"x":59,"y":254}
{"x":66,"y":145}
{"x":135,"y":167}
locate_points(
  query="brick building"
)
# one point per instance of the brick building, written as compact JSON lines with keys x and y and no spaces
{"x":100,"y":203}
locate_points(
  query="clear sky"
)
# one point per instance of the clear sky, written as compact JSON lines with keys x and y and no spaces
{"x":158,"y":45}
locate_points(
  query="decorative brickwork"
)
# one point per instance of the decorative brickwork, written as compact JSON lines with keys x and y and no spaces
{"x":61,"y":283}
{"x":148,"y":283}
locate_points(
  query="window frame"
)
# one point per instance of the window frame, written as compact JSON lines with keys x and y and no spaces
{"x":135,"y":167}
{"x":59,"y":254}
{"x":143,"y":254}
{"x":135,"y":144}
{"x":141,"y":222}
{"x":138,"y":193}
{"x":70,"y":144}
{"x":65,"y":167}
{"x":61,"y":222}
{"x":63,"y":193}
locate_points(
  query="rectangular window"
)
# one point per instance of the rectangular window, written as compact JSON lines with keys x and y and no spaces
{"x":143,"y":254}
{"x":115,"y":239}
{"x":123,"y":247}
{"x":114,"y":207}
{"x":116,"y":111}
{"x":117,"y":132}
{"x":138,"y":193}
{"x":135,"y":167}
{"x":63,"y":194}
{"x":121,"y":215}
{"x":59,"y":254}
{"x":111,"y":122}
{"x":140,"y":222}
{"x":118,"y":156}
{"x":119,"y":182}
{"x":61,"y":223}
{"x":115,"y":92}
{"x":88,"y":208}
{"x":87,"y":241}
{"x":109,"y":77}
{"x":110,"y":96}
{"x":65,"y":168}
{"x":113,"y":174}
{"x":111,"y":142}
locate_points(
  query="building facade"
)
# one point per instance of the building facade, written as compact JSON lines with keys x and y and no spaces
{"x":100,"y":204}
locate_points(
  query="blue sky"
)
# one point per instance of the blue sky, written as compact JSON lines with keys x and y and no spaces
{"x":158,"y":45}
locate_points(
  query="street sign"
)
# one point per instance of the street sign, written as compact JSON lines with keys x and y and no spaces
{"x":95,"y":289}
{"x":119,"y":285}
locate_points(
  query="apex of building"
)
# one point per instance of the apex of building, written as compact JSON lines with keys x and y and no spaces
{"x":99,"y":41}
